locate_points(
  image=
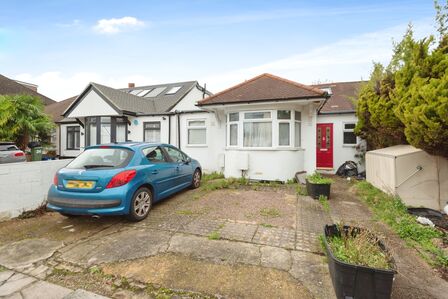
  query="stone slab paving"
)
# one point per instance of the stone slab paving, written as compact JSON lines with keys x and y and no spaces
{"x":26,"y":252}
{"x":203,"y":227}
{"x":124,"y":245}
{"x":21,"y":286}
{"x":238,"y":231}
{"x":275,"y":236}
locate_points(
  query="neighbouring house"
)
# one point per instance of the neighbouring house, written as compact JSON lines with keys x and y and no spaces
{"x":11,"y":87}
{"x":336,"y":120}
{"x":265,"y":128}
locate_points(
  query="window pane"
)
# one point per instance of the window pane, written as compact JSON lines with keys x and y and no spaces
{"x":233,"y":131}
{"x":77,"y":140}
{"x":121,"y":132}
{"x":152,"y":125}
{"x":234,"y":116}
{"x":297,"y":134}
{"x":109,"y":157}
{"x":258,"y":134}
{"x":349,"y":138}
{"x":196,"y":136}
{"x":284,"y":114}
{"x":349,"y":126}
{"x":105,"y":119}
{"x":105,"y":133}
{"x":92,"y":134}
{"x":283,"y":134}
{"x":154,"y":154}
{"x":70,"y":140}
{"x":196,"y":123}
{"x":174,"y":154}
{"x":152,"y":132}
{"x":298,"y":115}
{"x":257,"y":115}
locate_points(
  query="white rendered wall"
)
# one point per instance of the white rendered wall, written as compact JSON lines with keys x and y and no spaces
{"x":92,"y":105}
{"x":64,"y":152}
{"x":341,"y":152}
{"x":135,"y":132}
{"x":24,"y":186}
{"x":188,"y":103}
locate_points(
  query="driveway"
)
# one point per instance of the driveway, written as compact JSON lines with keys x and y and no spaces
{"x":248,"y":242}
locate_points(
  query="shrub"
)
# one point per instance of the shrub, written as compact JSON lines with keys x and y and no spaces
{"x":317,"y":178}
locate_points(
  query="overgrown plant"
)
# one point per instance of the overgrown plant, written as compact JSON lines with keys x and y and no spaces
{"x":393,"y":212}
{"x":317,"y":178}
{"x":324,"y":202}
{"x":359,"y":247}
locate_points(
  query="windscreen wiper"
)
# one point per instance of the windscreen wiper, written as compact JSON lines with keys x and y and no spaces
{"x":96,"y":166}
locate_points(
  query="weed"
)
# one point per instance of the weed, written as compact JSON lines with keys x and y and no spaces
{"x":301,"y":190}
{"x":39,"y":211}
{"x":393,"y":212}
{"x":270,"y":212}
{"x":291,"y":182}
{"x":267,"y":225}
{"x":2,"y":268}
{"x":185,"y":212}
{"x":359,"y":248}
{"x":324,"y":202}
{"x":214,"y":235}
{"x":196,"y":197}
{"x":317,"y":178}
{"x":95,"y":270}
{"x":212,"y":176}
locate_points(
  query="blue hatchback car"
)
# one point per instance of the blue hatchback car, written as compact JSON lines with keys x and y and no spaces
{"x":122,"y":179}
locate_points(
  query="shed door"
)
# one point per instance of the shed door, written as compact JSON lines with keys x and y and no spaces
{"x":324,"y":146}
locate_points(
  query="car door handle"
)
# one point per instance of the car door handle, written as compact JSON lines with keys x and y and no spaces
{"x":155,"y":172}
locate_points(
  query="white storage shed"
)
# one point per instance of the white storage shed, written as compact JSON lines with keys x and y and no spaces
{"x":419,"y":179}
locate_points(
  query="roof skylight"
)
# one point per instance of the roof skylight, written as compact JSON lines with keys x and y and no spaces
{"x":155,"y":92}
{"x":144,"y":92}
{"x":135,"y":91}
{"x":173,"y":90}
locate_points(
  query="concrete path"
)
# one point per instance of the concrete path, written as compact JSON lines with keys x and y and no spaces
{"x":16,"y":285}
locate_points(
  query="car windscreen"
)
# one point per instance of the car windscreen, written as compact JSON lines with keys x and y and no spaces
{"x":8,"y":147}
{"x":102,"y":158}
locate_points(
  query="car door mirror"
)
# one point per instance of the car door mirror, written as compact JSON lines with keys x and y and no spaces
{"x":187,"y":160}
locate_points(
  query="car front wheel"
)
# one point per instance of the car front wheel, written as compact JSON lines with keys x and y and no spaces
{"x":196,"y":179}
{"x":141,"y":203}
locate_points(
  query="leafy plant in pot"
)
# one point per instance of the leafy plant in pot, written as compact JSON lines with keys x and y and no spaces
{"x":360,"y":266}
{"x":317,"y":185}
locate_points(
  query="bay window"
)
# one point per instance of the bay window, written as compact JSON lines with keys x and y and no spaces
{"x":264,"y":129}
{"x":73,"y":134}
{"x":197,"y":132}
{"x":105,"y":129}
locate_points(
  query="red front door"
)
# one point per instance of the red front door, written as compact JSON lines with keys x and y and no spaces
{"x":324,"y":146}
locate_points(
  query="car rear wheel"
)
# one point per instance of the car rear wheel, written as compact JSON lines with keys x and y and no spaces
{"x":196,"y":179}
{"x":141,"y":203}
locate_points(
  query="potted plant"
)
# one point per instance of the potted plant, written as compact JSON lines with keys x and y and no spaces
{"x":360,"y":266}
{"x":317,"y":185}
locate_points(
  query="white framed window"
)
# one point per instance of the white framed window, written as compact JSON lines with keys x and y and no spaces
{"x":348,"y":132}
{"x":232,"y":129}
{"x":151,"y":131}
{"x":197,"y":132}
{"x":257,"y":129}
{"x":297,"y":128}
{"x":284,"y":127}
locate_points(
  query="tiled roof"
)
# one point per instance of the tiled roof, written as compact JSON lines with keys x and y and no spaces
{"x":265,"y":87}
{"x":56,"y":109}
{"x":342,"y":95}
{"x":10,"y":87}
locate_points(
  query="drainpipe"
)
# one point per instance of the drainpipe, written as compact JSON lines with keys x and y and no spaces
{"x":169,"y":129}
{"x":178,"y":129}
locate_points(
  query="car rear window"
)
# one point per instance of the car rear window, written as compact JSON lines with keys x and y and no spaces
{"x":8,"y":147}
{"x":102,"y":158}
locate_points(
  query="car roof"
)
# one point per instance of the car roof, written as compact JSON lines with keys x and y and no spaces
{"x":131,"y":144}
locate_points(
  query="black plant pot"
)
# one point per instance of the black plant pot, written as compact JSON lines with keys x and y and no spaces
{"x":316,"y":190}
{"x":353,"y":281}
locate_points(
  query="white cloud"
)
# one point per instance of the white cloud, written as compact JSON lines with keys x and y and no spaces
{"x":59,"y":86}
{"x":345,"y":60}
{"x":113,"y":26}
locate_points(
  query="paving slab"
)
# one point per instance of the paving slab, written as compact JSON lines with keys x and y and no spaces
{"x":274,"y":257}
{"x":15,"y":283}
{"x":312,"y":271}
{"x":275,"y":236}
{"x":203,"y":227}
{"x":215,"y":250}
{"x":26,"y":252}
{"x":238,"y":231}
{"x":124,"y":245}
{"x":83,"y":294}
{"x":5,"y":275}
{"x":44,"y":290}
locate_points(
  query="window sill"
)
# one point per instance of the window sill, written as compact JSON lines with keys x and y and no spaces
{"x":196,"y":145}
{"x":294,"y":149}
{"x":349,"y":145}
{"x":72,"y":149}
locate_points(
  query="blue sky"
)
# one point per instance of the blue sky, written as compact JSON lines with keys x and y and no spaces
{"x":61,"y":45}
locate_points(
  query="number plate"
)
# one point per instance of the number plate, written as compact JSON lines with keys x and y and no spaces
{"x":79,"y":184}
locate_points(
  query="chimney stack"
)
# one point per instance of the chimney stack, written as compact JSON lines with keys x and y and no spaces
{"x":131,"y":85}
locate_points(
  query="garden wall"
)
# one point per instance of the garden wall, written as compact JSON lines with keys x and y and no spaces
{"x":24,"y":186}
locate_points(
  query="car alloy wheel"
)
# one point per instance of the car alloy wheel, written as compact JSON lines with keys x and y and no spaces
{"x":196,"y":179}
{"x":142,"y":203}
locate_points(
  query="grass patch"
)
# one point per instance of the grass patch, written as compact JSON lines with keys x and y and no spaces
{"x":393,"y":212}
{"x":324,"y":202}
{"x":2,"y":268}
{"x":360,"y":249}
{"x":301,"y":190}
{"x":267,"y":225}
{"x":270,"y":212}
{"x":317,"y":178}
{"x":214,"y":235}
{"x":212,"y":176}
{"x":185,"y":212}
